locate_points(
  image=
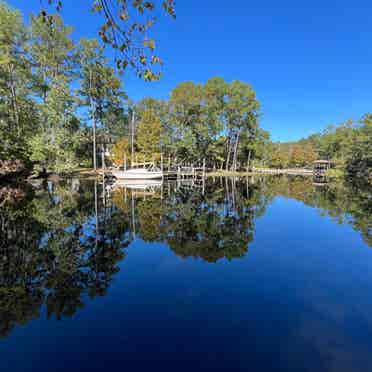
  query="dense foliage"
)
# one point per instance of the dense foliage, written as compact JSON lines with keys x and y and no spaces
{"x":50,"y":89}
{"x":216,"y":121}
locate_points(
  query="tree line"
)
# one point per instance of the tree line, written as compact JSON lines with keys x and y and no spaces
{"x":60,"y":99}
{"x":348,"y":146}
{"x":61,"y":102}
{"x":219,"y":122}
{"x":216,"y":122}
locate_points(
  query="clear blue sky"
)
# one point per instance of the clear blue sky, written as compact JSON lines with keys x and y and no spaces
{"x":309,"y":62}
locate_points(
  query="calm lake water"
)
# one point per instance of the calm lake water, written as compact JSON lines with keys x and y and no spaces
{"x":251,"y":274}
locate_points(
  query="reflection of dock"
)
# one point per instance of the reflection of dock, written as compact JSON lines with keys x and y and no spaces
{"x":192,"y":183}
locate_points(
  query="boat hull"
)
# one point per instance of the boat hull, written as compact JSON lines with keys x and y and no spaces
{"x":137,"y":175}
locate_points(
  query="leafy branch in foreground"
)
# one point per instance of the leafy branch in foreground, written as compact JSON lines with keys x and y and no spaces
{"x":125,"y":28}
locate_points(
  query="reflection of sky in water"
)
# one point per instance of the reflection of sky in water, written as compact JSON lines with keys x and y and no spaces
{"x":297,"y":300}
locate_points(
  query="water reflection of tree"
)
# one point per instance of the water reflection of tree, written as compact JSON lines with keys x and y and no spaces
{"x":61,"y":244}
{"x":206,"y":226}
{"x":343,"y":202}
{"x":19,"y":300}
{"x":52,"y":252}
{"x":150,"y":213}
{"x":218,"y":223}
{"x":351,"y":203}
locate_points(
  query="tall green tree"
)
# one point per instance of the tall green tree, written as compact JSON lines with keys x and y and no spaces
{"x":255,"y":145}
{"x":359,"y":154}
{"x":17,"y":113}
{"x":185,"y":115}
{"x":54,"y":145}
{"x":209,"y":130}
{"x":53,"y":52}
{"x":204,"y":116}
{"x":242,"y":110}
{"x":148,"y":136}
{"x":53,"y":56}
{"x":100,"y":91}
{"x":92,"y":58}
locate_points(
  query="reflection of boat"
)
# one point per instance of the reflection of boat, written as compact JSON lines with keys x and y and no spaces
{"x":148,"y":173}
{"x":138,"y":184}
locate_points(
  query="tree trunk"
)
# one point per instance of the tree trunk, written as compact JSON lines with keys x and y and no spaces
{"x":236,"y":151}
{"x":14,"y":98}
{"x":92,"y":108}
{"x":228,"y":154}
{"x":94,"y":142}
{"x":132,"y":136}
{"x":103,"y":149}
{"x":249,"y":159}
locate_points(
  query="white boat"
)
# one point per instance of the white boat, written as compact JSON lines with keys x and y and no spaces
{"x":148,"y":173}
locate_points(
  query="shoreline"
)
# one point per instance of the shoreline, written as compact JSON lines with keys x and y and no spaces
{"x":89,"y":172}
{"x":263,"y":171}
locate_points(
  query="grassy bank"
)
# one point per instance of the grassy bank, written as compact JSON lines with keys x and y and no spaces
{"x":262,"y":171}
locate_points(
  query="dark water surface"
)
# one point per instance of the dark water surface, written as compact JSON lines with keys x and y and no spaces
{"x":259,"y":274}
